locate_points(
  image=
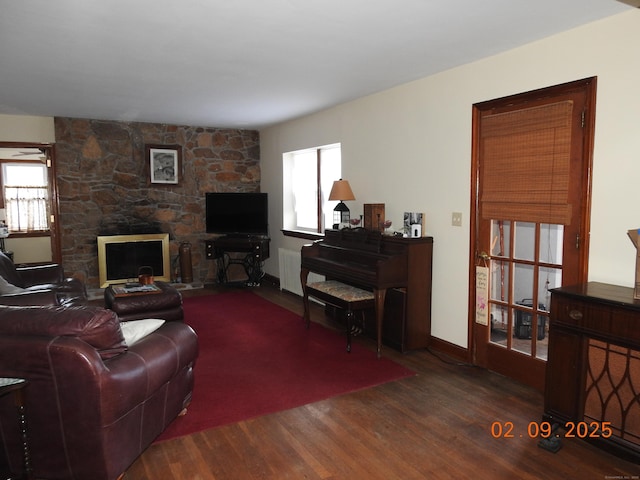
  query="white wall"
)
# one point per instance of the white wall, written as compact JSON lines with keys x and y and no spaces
{"x":29,"y":250}
{"x":410,"y":148}
{"x":28,"y":129}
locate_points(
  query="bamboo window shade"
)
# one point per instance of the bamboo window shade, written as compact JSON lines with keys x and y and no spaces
{"x":525,"y":164}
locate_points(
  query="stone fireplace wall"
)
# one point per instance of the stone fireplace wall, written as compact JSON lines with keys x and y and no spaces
{"x":104,"y":186}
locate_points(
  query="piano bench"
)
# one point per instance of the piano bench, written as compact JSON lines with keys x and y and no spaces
{"x":339,"y":295}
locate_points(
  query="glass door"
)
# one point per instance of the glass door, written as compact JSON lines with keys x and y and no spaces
{"x":526,"y":262}
{"x":531,"y":177}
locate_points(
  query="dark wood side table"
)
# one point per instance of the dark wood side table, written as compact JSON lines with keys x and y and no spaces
{"x":593,"y":368}
{"x":16,"y":386}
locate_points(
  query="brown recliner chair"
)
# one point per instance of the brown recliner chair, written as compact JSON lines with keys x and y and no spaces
{"x":38,"y":285}
{"x":93,"y":403}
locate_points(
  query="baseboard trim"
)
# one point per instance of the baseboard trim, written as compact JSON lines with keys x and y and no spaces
{"x":454,"y":351}
{"x":271,"y":280}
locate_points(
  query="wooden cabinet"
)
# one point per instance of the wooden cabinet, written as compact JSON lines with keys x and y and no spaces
{"x":593,"y":368}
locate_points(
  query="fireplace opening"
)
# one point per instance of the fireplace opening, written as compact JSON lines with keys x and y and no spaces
{"x":120,"y":257}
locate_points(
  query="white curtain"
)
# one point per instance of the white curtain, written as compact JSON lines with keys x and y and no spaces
{"x":26,"y":208}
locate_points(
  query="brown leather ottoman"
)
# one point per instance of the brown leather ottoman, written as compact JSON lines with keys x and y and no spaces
{"x":166,"y":305}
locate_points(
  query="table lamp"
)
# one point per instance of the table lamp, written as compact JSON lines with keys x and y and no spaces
{"x":341,"y":190}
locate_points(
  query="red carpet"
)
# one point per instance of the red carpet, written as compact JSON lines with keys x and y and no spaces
{"x":257,"y":358}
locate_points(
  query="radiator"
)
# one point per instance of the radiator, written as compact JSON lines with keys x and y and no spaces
{"x":290,"y":271}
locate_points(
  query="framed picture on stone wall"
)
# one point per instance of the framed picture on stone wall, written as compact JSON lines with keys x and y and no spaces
{"x":164,"y":163}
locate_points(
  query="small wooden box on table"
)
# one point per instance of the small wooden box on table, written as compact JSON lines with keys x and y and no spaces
{"x":373,"y":216}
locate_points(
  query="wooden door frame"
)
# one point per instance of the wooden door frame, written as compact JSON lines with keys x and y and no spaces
{"x":588,"y":85}
{"x":54,"y":201}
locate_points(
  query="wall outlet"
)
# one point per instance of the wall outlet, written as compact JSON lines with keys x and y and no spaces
{"x":456,"y":219}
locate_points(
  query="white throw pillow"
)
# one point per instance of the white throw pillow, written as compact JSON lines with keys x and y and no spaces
{"x":136,"y":330}
{"x":7,"y":288}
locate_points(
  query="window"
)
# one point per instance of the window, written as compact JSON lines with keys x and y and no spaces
{"x":307,"y":179}
{"x":26,"y":196}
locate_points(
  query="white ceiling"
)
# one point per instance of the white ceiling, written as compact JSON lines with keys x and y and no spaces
{"x":248,"y":63}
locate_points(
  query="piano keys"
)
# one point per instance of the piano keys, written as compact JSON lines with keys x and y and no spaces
{"x":380,"y":263}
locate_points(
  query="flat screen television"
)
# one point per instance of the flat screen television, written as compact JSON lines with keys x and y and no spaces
{"x":237,"y":213}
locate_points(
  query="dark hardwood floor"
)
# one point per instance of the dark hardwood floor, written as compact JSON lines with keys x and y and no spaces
{"x":437,"y":424}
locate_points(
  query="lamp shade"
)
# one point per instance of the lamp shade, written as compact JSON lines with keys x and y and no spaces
{"x":341,"y":190}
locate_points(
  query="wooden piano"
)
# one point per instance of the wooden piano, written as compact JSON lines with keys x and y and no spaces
{"x":380,"y":263}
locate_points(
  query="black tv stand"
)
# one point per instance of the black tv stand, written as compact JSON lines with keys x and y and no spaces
{"x":255,"y":247}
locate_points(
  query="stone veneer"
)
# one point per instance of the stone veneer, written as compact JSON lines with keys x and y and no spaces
{"x":104,"y":186}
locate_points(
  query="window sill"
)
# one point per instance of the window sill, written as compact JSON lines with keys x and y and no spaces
{"x":305,"y":235}
{"x":40,"y":233}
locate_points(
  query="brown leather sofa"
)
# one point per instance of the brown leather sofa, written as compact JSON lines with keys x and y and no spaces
{"x":38,"y":285}
{"x":93,"y":403}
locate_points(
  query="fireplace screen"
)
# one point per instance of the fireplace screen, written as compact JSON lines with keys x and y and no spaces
{"x":120,"y":257}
